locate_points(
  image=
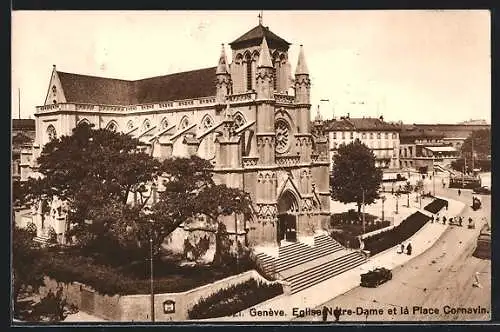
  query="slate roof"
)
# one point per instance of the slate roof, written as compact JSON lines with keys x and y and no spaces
{"x":361,"y":124}
{"x":23,"y":124}
{"x":255,"y":35}
{"x":87,"y":89}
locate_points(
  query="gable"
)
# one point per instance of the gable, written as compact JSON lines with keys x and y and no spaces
{"x":55,"y":92}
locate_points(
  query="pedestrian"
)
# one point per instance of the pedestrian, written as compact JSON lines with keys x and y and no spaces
{"x":401,"y":249}
{"x":432,"y":219}
{"x":336,"y":313}
{"x":325,"y":313}
{"x":444,"y":220}
{"x":408,"y":249}
{"x":460,"y":221}
{"x":459,"y":192}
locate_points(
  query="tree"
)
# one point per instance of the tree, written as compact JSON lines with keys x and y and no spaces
{"x":25,"y":258}
{"x":353,"y":173}
{"x":480,"y":140}
{"x":191,"y":192}
{"x":94,"y":172}
{"x":407,"y":189}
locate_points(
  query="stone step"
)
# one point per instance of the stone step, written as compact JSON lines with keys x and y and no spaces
{"x":320,"y":273}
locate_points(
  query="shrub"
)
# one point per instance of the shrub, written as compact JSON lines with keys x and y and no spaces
{"x":234,"y":299}
{"x":70,"y":265}
{"x":388,"y":239}
{"x":436,"y":205}
{"x":31,"y":228}
{"x":52,"y":235}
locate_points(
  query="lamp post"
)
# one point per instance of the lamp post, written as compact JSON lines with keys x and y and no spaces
{"x":363,"y":193}
{"x":151,"y":280}
{"x":383,"y":200}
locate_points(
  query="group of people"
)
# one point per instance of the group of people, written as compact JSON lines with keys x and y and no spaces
{"x":452,"y":220}
{"x":402,"y":249}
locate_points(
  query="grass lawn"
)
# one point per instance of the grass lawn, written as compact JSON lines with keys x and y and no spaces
{"x":134,"y":277}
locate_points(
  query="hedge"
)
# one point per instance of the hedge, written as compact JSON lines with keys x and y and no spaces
{"x":388,"y":239}
{"x":131,"y":279}
{"x":234,"y":299}
{"x":436,"y":205}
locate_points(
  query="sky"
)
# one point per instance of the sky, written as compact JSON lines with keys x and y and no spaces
{"x":411,"y":66}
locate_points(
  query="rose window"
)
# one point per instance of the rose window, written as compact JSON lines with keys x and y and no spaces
{"x":282,"y":130}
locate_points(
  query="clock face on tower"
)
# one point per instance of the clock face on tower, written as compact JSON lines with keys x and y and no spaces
{"x":282,"y":130}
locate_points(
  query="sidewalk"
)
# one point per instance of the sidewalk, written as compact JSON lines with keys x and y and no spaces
{"x":331,"y":288}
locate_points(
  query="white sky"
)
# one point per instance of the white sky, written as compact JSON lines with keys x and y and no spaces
{"x":414,"y":66}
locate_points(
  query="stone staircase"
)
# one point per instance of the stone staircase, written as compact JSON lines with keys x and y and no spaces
{"x":314,"y":275}
{"x":304,"y":265}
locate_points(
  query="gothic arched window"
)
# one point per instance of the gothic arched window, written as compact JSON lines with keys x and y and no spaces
{"x":51,"y":132}
{"x":146,"y":125}
{"x":130,"y":125}
{"x":112,"y":126}
{"x":239,"y":120}
{"x":282,"y":129}
{"x":207,"y":122}
{"x":184,"y":123}
{"x":164,"y":123}
{"x":248,"y":61}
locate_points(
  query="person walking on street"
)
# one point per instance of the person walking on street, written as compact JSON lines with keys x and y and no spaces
{"x":459,"y":192}
{"x":402,"y":249}
{"x":444,"y":220}
{"x":408,"y":249}
{"x":460,"y":221}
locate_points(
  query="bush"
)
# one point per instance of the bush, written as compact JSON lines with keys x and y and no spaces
{"x":70,"y":265}
{"x":388,"y":239}
{"x":234,"y":299}
{"x":436,"y":205}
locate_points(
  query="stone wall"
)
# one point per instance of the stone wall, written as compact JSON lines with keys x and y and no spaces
{"x":136,"y":308}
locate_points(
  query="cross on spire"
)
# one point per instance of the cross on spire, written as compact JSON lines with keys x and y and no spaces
{"x":261,"y":15}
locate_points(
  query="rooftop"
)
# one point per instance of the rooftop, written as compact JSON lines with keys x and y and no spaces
{"x":87,"y":89}
{"x":26,"y":124}
{"x":361,"y":124}
{"x":254,"y":37}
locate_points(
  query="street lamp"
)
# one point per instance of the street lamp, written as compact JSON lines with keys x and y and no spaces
{"x":151,"y":280}
{"x":383,"y":200}
{"x":363,"y":193}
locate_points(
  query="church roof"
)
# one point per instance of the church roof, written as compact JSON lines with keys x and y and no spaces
{"x":255,"y":36}
{"x":109,"y":91}
{"x":28,"y":124}
{"x":361,"y":124}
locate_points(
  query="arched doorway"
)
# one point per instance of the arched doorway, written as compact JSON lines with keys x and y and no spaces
{"x":287,"y":217}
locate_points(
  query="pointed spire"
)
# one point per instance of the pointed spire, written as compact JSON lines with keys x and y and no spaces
{"x":301,"y":64}
{"x":222,"y":66}
{"x":265,"y":55}
{"x":318,"y":116}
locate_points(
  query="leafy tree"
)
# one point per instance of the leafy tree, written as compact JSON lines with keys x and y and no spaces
{"x":25,"y":257}
{"x":94,"y":172}
{"x":354,"y":172}
{"x":190,"y":192}
{"x":481,"y":144}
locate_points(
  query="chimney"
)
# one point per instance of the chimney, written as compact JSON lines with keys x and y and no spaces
{"x":348,"y":115}
{"x":381,"y":118}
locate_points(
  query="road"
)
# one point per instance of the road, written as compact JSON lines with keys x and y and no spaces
{"x":432,"y":284}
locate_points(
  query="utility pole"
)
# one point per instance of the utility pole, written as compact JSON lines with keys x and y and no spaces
{"x":19,"y":102}
{"x":472,"y":149}
{"x":151,"y":274}
{"x":363,"y":191}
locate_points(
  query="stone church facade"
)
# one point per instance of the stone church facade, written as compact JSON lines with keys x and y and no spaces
{"x":248,"y":117}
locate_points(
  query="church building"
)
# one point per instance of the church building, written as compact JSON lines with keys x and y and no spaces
{"x":250,"y":117}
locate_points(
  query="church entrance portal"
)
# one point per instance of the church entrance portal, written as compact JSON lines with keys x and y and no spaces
{"x":287,"y":217}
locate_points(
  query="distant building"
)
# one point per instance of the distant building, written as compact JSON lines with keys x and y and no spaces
{"x":381,"y":137}
{"x":453,"y":134}
{"x":23,"y":136}
{"x":423,"y":149}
